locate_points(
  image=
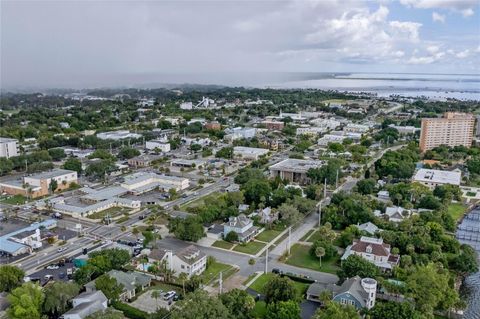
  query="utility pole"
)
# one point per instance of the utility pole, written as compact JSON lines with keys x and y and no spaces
{"x":336,"y":181}
{"x":26,"y":167}
{"x":319,"y":213}
{"x":220,"y":283}
{"x":266,"y":261}
{"x":325,"y":189}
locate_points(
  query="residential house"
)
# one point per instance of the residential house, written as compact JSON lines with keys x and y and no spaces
{"x":395,"y":214}
{"x":368,"y":227}
{"x":374,"y":250}
{"x":85,"y":304}
{"x":131,"y":281}
{"x":242,"y":225}
{"x":189,"y":260}
{"x":267,"y":216}
{"x":357,"y":292}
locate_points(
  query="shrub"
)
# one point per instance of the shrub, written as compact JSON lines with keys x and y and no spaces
{"x":129,"y":311}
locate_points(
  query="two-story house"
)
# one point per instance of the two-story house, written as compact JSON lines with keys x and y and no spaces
{"x":190,"y":260}
{"x":242,"y":225}
{"x":374,"y":250}
{"x":85,"y":304}
{"x":131,"y":281}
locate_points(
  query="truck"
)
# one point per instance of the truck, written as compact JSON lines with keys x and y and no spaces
{"x":69,"y":273}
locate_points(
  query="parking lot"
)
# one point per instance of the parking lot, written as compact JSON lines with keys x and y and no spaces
{"x":148,"y":303}
{"x":59,"y":274}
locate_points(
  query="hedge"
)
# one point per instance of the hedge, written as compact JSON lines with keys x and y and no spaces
{"x":129,"y":311}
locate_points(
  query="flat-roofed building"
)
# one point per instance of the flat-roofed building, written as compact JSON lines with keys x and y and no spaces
{"x":435,"y":177}
{"x":8,"y":147}
{"x":143,"y":160}
{"x":118,"y":135}
{"x":249,"y":153}
{"x":143,"y":182}
{"x":311,"y":130}
{"x":160,"y":145}
{"x":37,"y":185}
{"x":356,"y":128}
{"x":453,"y":129}
{"x":294,"y":170}
{"x":274,"y":125}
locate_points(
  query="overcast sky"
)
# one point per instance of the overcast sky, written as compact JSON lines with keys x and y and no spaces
{"x":61,"y":43}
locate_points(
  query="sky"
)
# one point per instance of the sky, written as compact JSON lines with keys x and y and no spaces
{"x":88,"y":43}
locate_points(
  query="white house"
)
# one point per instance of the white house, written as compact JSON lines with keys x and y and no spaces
{"x":242,"y":225}
{"x":373,"y":250}
{"x":190,"y":260}
{"x":86,"y":304}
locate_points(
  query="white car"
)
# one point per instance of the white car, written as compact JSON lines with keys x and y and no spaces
{"x":169,"y":295}
{"x":61,"y":249}
{"x":53,"y":267}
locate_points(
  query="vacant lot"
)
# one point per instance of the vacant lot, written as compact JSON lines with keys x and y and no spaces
{"x":222,"y":244}
{"x":251,"y":248}
{"x":301,"y":257}
{"x":456,"y":210}
{"x":268,"y":235}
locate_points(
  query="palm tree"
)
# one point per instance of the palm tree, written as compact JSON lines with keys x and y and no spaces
{"x":320,"y":252}
{"x":156,"y":295}
{"x":325,"y":296}
{"x":135,"y":232}
{"x":183,"y":277}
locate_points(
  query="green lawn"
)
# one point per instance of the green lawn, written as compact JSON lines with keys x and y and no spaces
{"x":301,"y":257}
{"x":251,"y":248}
{"x":249,"y":278}
{"x":14,"y":200}
{"x":200,"y":201}
{"x":268,"y":235}
{"x":259,"y":284}
{"x":213,"y":271}
{"x":456,"y":210}
{"x":222,"y":244}
{"x":260,"y":309}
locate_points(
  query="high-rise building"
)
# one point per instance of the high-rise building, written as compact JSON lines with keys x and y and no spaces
{"x":453,"y":129}
{"x":8,"y":147}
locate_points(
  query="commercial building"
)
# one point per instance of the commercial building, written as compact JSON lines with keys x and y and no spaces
{"x":239,"y":133}
{"x":24,"y":240}
{"x":294,"y":170}
{"x":160,"y":145}
{"x":249,"y":153}
{"x":435,"y":177}
{"x":186,"y":105}
{"x":356,"y":128}
{"x":374,"y":250}
{"x":311,"y":130}
{"x":214,"y":125}
{"x":8,"y":147}
{"x":145,"y":160}
{"x":453,"y":129}
{"x":355,"y":291}
{"x":404,"y":130}
{"x":38,"y":185}
{"x":118,"y":135}
{"x":273,"y":125}
{"x":143,"y":182}
{"x":330,"y":138}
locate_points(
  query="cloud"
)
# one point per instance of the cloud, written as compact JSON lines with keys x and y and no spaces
{"x":437,"y":17}
{"x":463,"y":54}
{"x":465,"y":7}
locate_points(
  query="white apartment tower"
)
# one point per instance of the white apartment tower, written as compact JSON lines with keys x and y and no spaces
{"x":453,"y":129}
{"x":8,"y":147}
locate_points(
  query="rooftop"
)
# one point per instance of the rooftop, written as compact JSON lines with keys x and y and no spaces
{"x":438,"y":176}
{"x":297,"y":165}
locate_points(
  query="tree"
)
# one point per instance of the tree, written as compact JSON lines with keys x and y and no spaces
{"x":188,"y":229}
{"x":73,"y":164}
{"x":225,"y":152}
{"x":57,"y":296}
{"x":334,"y":310}
{"x":289,"y":214}
{"x":200,"y":305}
{"x":355,"y":265}
{"x":430,"y":287}
{"x":256,"y":191}
{"x":109,"y":286}
{"x":193,"y":283}
{"x":6,"y":165}
{"x":10,"y":277}
{"x":98,"y":169}
{"x":183,"y":277}
{"x":57,"y":153}
{"x":326,"y":172}
{"x":393,"y":310}
{"x":231,"y":237}
{"x":108,"y":313}
{"x":53,"y":185}
{"x":25,"y":302}
{"x":283,"y":310}
{"x":366,"y":186}
{"x":320,"y":252}
{"x":156,"y":294}
{"x":280,"y":289}
{"x":128,"y":152}
{"x":195,"y":147}
{"x":238,"y":302}
{"x":336,"y":147}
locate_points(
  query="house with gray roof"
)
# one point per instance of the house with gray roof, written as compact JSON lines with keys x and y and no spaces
{"x":85,"y":304}
{"x":357,"y":292}
{"x":369,"y":228}
{"x":131,"y":281}
{"x":242,"y":225}
{"x":26,"y":239}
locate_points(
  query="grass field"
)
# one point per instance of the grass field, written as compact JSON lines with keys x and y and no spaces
{"x":301,"y":257}
{"x":112,"y":212}
{"x":251,"y":248}
{"x":14,"y":200}
{"x":261,"y":281}
{"x":213,"y":271}
{"x":249,"y":278}
{"x":456,"y":210}
{"x":222,"y":244}
{"x":268,"y":235}
{"x":260,"y":309}
{"x":200,"y":201}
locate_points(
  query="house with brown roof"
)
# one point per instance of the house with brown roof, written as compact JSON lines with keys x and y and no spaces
{"x":374,"y":250}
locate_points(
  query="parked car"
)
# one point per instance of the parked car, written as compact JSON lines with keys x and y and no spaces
{"x":48,"y":277}
{"x":275,"y":271}
{"x":52,"y":267}
{"x":169,"y":295}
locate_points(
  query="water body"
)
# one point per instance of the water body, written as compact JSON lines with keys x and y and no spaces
{"x":468,"y":232}
{"x":436,"y":86}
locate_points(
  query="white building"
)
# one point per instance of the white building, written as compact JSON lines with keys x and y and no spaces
{"x":186,"y":105}
{"x":242,"y":225}
{"x":118,"y":135}
{"x":329,"y":124}
{"x":403,"y":130}
{"x":142,"y":182}
{"x":294,"y":170}
{"x":330,"y":138}
{"x":239,"y":133}
{"x":249,"y":153}
{"x":356,"y":128}
{"x":189,"y":260}
{"x":434,"y":177}
{"x":8,"y":147}
{"x":312,"y":130}
{"x":374,"y":250}
{"x":158,"y":144}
